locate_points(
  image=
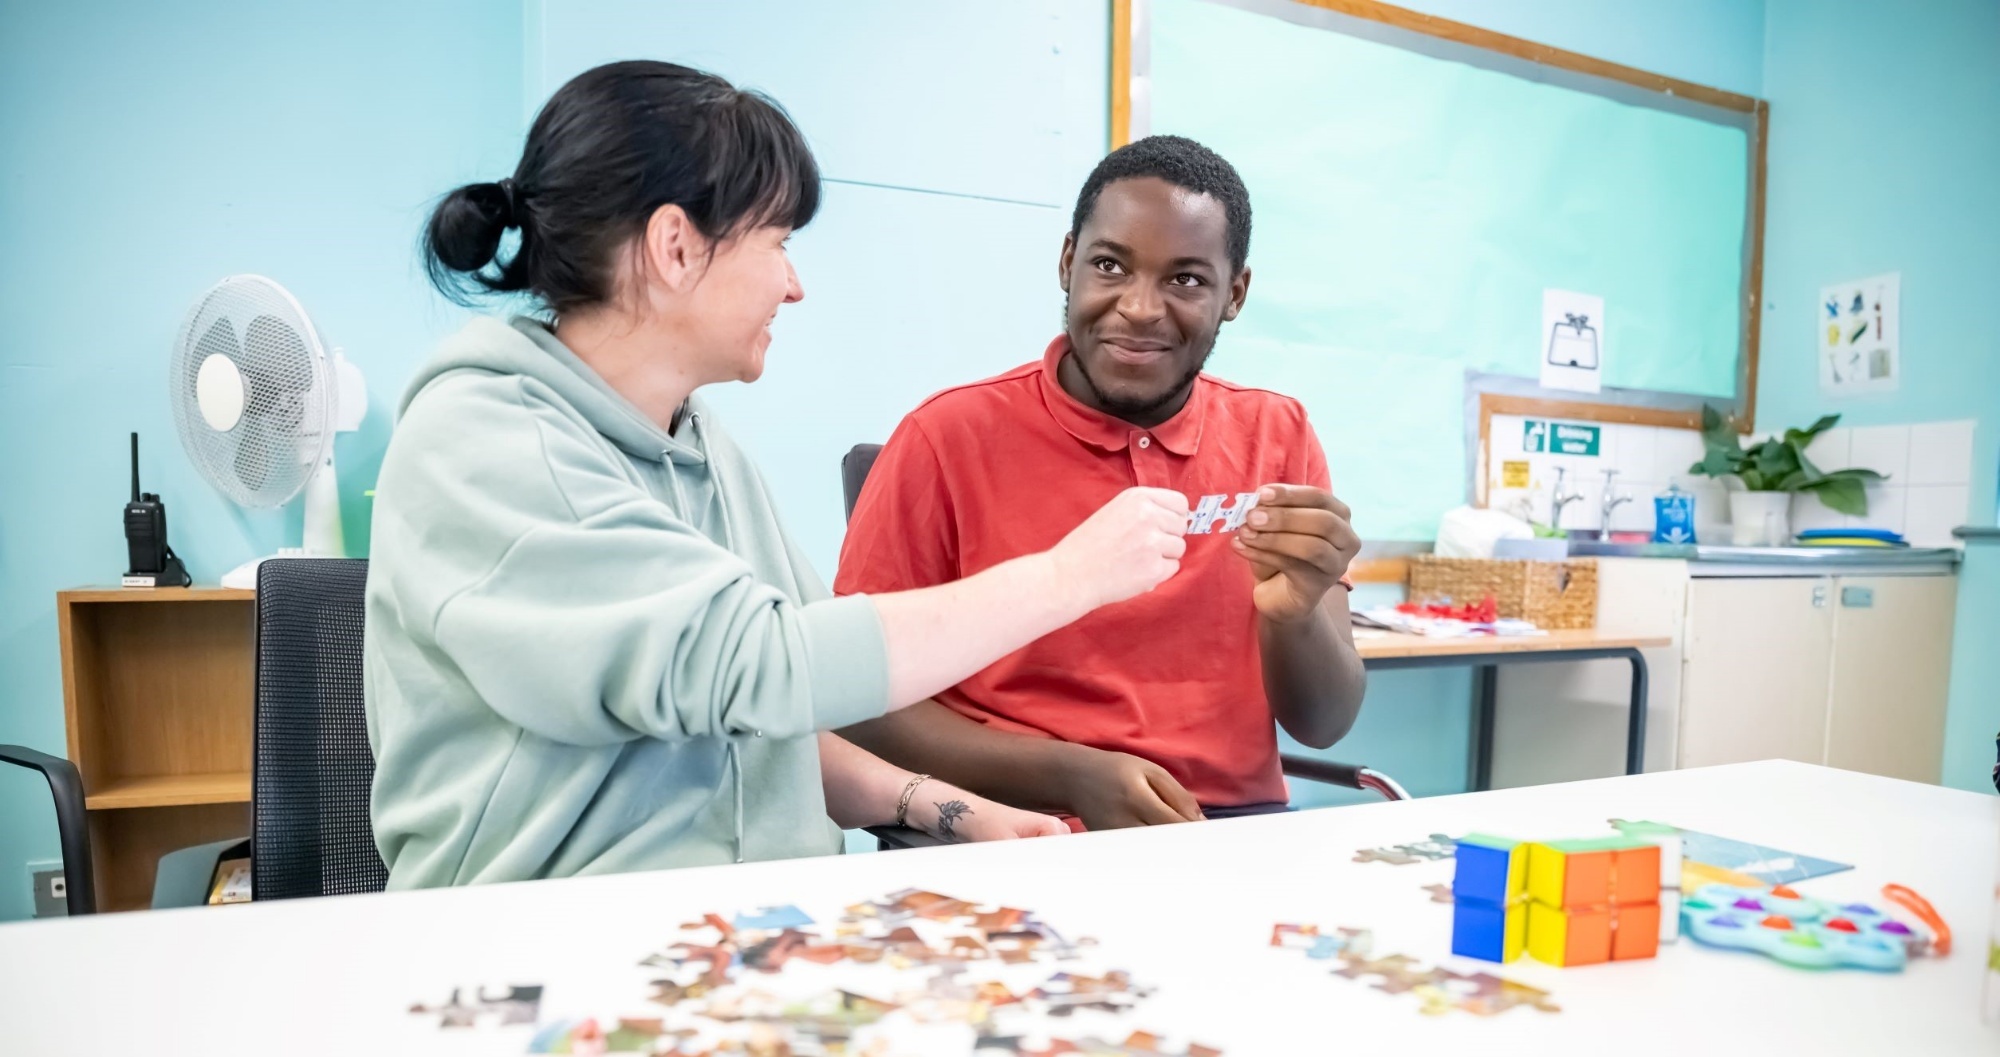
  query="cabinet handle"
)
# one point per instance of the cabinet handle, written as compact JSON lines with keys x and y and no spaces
{"x":1819,"y":596}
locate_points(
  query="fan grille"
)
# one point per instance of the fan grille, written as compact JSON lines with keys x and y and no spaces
{"x":265,"y":459}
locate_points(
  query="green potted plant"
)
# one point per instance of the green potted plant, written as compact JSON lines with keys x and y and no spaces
{"x":1771,"y":470}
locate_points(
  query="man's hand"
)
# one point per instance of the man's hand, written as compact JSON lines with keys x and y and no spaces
{"x":1113,"y":790}
{"x":1299,"y":543}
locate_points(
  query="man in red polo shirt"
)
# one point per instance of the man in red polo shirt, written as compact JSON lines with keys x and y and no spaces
{"x":1158,"y":709}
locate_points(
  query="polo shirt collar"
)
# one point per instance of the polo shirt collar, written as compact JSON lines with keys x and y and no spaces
{"x":1180,"y":434}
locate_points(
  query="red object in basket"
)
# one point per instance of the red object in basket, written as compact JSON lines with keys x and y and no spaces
{"x":1486,"y":611}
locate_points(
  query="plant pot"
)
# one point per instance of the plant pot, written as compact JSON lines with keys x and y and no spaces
{"x":1760,"y":519}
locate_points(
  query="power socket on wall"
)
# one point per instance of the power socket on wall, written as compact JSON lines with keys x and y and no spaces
{"x":51,"y":889}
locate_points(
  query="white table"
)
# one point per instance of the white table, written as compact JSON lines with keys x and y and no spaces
{"x":1186,"y":908}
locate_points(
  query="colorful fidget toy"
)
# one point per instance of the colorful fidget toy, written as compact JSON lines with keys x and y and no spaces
{"x":1798,"y":930}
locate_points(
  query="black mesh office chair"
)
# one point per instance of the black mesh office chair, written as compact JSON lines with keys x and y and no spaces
{"x":311,"y":768}
{"x":854,"y":467}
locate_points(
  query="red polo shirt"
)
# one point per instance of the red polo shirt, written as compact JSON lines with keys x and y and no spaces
{"x":1006,"y":467}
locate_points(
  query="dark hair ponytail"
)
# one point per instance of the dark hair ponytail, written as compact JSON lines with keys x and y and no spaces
{"x":608,"y":149}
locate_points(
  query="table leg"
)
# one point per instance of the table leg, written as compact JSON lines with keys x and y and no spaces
{"x":1485,"y":694}
{"x":1635,"y":720}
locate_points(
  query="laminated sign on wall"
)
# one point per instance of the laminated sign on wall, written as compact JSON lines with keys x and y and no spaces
{"x":1572,"y":341}
{"x":1857,"y":334}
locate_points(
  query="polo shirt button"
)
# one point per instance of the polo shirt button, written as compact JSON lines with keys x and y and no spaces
{"x":1145,"y":442}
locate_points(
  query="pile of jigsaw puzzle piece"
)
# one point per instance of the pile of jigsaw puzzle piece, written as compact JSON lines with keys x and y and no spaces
{"x":912,"y":973}
{"x":1439,"y":990}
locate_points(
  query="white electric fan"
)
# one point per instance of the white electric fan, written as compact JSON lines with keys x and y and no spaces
{"x":257,"y":399}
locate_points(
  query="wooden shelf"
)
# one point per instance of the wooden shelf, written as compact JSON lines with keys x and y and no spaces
{"x":197,"y":593}
{"x":172,"y":790}
{"x":157,"y":689}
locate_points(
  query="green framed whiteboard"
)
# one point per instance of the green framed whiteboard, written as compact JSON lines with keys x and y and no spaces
{"x":1416,"y":184}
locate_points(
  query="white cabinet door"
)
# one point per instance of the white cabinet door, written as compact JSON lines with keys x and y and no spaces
{"x":1755,"y":670}
{"x":1891,"y":667}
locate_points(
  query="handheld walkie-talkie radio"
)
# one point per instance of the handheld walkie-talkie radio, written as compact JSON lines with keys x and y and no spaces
{"x":152,"y":562}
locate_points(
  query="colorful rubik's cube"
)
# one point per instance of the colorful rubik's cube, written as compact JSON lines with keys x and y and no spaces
{"x":1572,"y":902}
{"x":1489,"y":914}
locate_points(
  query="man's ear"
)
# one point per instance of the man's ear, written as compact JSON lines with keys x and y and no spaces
{"x":674,"y":253}
{"x":1239,"y":289}
{"x":1065,"y":260}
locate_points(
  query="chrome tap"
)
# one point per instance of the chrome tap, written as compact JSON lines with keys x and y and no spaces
{"x":1557,"y":500}
{"x":1608,"y":502}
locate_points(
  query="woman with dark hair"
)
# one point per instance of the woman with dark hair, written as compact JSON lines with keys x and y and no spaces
{"x":591,"y":646}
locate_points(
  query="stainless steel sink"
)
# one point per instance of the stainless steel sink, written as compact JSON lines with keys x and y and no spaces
{"x":1824,"y":556}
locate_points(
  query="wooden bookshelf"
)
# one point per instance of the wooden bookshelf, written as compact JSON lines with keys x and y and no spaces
{"x":172,"y":790}
{"x":157,"y":702}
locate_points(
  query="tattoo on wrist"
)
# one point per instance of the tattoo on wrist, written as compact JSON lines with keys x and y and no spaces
{"x":949,"y":812}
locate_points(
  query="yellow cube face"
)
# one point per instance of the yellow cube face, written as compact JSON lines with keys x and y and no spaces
{"x":1545,"y":874}
{"x":1515,"y":939}
{"x":1548,"y":933}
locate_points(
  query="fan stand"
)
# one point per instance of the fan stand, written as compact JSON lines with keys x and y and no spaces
{"x":323,"y":535}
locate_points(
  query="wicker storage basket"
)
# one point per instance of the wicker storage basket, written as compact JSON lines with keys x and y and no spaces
{"x":1551,"y":595}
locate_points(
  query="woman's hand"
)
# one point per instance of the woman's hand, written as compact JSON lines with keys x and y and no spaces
{"x":1128,"y":547}
{"x":957,"y":817}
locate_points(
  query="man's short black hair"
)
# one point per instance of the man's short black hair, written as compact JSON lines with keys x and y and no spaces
{"x":1185,"y":164}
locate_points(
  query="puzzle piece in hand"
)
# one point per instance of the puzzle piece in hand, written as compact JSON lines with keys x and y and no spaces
{"x":516,"y":1005}
{"x":1432,"y":850}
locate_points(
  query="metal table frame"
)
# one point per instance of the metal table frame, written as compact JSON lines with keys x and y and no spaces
{"x":1479,"y":771}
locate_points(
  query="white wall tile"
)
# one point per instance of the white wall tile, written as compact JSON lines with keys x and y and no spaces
{"x":1941,"y":453}
{"x":1884,"y":449}
{"x":1636,"y":447}
{"x":1637,"y":515}
{"x":1832,"y":450}
{"x":1582,"y":514}
{"x":1887,"y":508}
{"x":1674,"y":450}
{"x":1809,"y":513}
{"x":1503,"y":436}
{"x":1934,"y":510}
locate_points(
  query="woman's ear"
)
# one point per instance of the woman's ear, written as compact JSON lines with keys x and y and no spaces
{"x":673,"y":253}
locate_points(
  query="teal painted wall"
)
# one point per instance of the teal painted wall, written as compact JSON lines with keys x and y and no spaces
{"x":146,"y":151}
{"x":1890,"y":170}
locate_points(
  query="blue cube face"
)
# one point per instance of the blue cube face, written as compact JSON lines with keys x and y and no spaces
{"x":1479,"y":930}
{"x":1482,"y":873}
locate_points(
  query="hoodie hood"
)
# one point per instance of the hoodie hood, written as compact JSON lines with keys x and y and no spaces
{"x":526,"y":346}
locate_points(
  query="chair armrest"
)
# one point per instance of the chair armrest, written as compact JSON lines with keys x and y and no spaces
{"x":1352,"y":776}
{"x":896,"y":838}
{"x":72,"y":826}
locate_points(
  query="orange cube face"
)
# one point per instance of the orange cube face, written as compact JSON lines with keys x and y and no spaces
{"x":1635,"y":875}
{"x":1589,"y":938}
{"x":1587,"y":879}
{"x":1636,"y":932}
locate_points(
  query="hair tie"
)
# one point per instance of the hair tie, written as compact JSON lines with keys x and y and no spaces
{"x":510,"y":208}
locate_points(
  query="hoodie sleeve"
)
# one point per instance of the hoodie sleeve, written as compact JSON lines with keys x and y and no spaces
{"x":584,"y":610}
